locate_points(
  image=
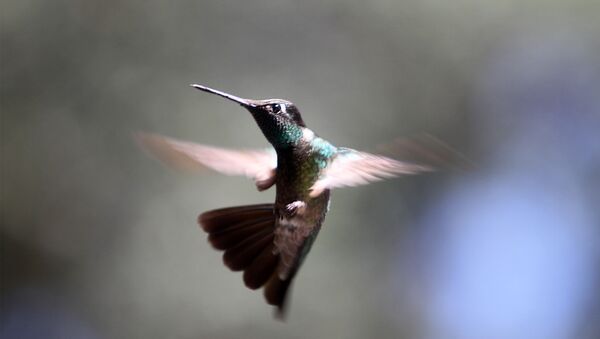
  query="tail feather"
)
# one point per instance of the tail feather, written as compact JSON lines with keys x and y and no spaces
{"x":261,"y":269}
{"x":243,"y":254}
{"x":224,"y":218}
{"x":246,"y":235}
{"x":234,"y":235}
{"x":276,"y":294}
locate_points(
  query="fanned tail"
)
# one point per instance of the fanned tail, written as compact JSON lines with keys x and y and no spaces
{"x":246,"y":235}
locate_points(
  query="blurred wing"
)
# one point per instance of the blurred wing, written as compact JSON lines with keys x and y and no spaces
{"x":353,"y":168}
{"x":426,"y":149}
{"x":259,"y":165}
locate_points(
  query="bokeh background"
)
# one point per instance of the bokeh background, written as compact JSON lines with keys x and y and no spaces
{"x":99,"y":241}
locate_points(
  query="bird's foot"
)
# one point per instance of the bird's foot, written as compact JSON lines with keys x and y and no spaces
{"x":296,"y":207}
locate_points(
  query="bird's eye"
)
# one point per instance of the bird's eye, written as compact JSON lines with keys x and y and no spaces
{"x":276,"y":108}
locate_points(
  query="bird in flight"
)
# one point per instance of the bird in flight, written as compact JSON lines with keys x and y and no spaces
{"x":269,"y":242}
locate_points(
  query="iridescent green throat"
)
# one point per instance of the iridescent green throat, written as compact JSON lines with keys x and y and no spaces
{"x":281,"y":134}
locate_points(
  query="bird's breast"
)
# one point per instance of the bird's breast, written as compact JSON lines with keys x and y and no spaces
{"x":295,"y":233}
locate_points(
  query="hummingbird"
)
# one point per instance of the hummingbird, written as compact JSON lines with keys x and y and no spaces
{"x":270,"y":241}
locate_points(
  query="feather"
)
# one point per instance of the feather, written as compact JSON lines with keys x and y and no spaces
{"x":426,"y":149}
{"x":236,"y":234}
{"x":223,"y":218}
{"x":242,"y":255}
{"x":276,"y":292}
{"x":256,"y":164}
{"x":352,"y":168}
{"x":261,"y":269}
{"x":246,"y":234}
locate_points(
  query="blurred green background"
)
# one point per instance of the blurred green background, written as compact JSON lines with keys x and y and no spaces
{"x":99,"y":241}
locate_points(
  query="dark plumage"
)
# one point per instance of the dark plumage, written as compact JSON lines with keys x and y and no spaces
{"x":269,"y":242}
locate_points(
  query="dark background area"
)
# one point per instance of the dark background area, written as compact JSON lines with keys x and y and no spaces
{"x":99,"y":241}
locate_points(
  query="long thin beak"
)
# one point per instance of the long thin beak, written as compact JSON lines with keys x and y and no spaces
{"x":241,"y":101}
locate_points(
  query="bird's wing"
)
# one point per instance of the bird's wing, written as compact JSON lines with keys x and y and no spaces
{"x":352,"y":168}
{"x":259,"y":165}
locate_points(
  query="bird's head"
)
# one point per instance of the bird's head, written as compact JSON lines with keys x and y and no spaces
{"x":279,"y":120}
